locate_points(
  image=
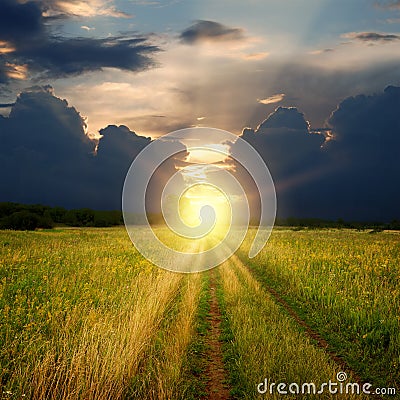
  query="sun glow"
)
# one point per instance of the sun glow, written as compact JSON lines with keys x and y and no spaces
{"x":204,"y":203}
{"x":209,"y":153}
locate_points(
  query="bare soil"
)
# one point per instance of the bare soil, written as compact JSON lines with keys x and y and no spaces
{"x":216,"y":375}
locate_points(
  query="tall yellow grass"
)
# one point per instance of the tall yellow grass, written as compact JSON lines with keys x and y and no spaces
{"x":267,"y":342}
{"x":91,"y":319}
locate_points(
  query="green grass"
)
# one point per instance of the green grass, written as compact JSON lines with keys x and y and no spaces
{"x":262,"y":341}
{"x":84,"y":316}
{"x":195,"y":378}
{"x":345,"y":284}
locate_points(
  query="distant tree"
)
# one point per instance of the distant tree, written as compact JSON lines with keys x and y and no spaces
{"x":80,"y":217}
{"x":8,"y":208}
{"x":394,"y":225}
{"x":21,"y":220}
{"x":46,"y":221}
{"x":57,"y":214}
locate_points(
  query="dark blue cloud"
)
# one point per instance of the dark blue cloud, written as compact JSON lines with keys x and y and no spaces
{"x":20,"y":22}
{"x":116,"y":151}
{"x":372,"y":36}
{"x":365,"y":153}
{"x":45,"y":152}
{"x":352,"y":173}
{"x":294,"y":156}
{"x":203,"y":30}
{"x":23,"y":26}
{"x":61,"y":57}
{"x":286,"y":143}
{"x":46,"y":156}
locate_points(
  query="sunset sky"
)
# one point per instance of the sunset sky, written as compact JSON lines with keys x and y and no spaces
{"x":225,"y":64}
{"x":156,"y":66}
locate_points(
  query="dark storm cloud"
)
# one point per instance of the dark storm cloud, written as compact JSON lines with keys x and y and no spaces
{"x":116,"y":151}
{"x":202,"y":31}
{"x":46,"y":156}
{"x":365,"y":150}
{"x":349,"y":169}
{"x":62,"y":57}
{"x":20,"y":21}
{"x":34,"y":45}
{"x":292,"y":153}
{"x":366,"y":128}
{"x":372,"y":36}
{"x":317,"y":91}
{"x":44,"y":150}
{"x":6,"y":105}
{"x":351,"y":175}
{"x":117,"y":148}
{"x":285,"y":117}
{"x":3,"y":72}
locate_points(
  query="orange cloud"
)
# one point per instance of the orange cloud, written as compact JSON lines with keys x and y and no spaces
{"x":88,"y":8}
{"x":15,"y":71}
{"x":276,"y":98}
{"x":6,"y":47}
{"x":256,"y":56}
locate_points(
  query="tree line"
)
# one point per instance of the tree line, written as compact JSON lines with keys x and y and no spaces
{"x":316,"y":223}
{"x":30,"y":217}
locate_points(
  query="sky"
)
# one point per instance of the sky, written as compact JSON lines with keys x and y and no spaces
{"x":315,"y":84}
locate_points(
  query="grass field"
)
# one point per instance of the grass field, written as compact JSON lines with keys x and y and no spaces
{"x":84,"y":316}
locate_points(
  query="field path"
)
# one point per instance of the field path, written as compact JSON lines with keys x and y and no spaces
{"x":217,"y":388}
{"x":309,"y":331}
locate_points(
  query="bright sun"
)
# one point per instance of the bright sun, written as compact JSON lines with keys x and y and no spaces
{"x":204,"y":203}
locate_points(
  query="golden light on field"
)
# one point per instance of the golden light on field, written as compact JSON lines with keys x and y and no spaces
{"x":203,"y":203}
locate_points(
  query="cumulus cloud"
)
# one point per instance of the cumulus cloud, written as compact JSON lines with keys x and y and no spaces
{"x":285,"y":142}
{"x":368,"y":126}
{"x":210,"y":31}
{"x":284,"y":117}
{"x":371,"y":36}
{"x":44,"y":150}
{"x":365,"y":150}
{"x":27,"y":45}
{"x":116,"y":151}
{"x":47,"y":157}
{"x":293,"y":155}
{"x":19,"y":21}
{"x":276,"y":98}
{"x":347,"y":170}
